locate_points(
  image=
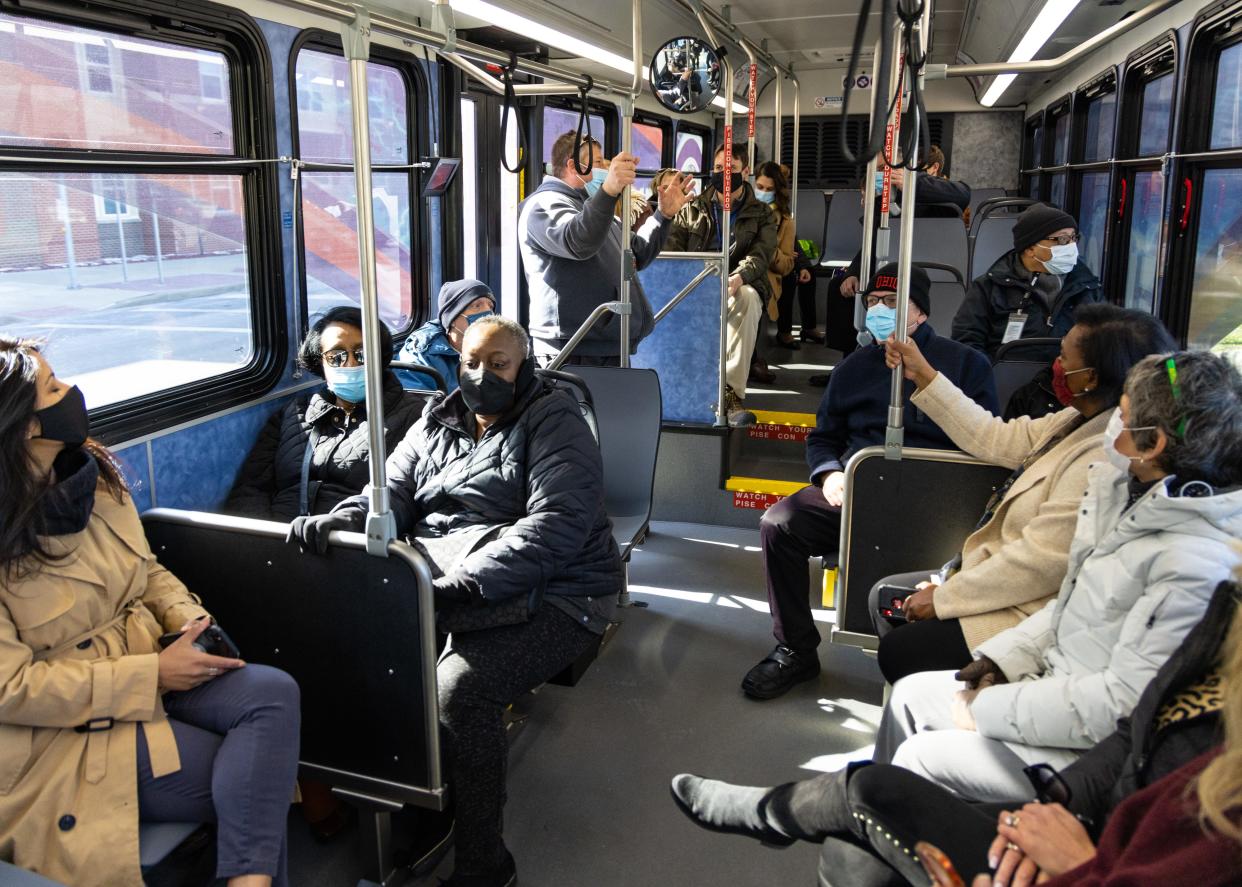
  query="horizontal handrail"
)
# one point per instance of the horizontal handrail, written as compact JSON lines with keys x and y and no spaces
{"x":708,"y":270}
{"x":421,"y":369}
{"x":577,"y":337}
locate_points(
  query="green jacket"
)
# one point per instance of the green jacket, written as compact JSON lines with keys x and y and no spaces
{"x":753,"y":234}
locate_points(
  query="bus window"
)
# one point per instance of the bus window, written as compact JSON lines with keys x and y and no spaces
{"x":1216,"y":310}
{"x":1093,"y":218}
{"x":510,"y":294}
{"x":1226,"y":107}
{"x":139,"y":281}
{"x":649,"y":148}
{"x":1060,"y":137}
{"x":1056,"y":190}
{"x":558,"y":121}
{"x":1156,"y":120}
{"x":1143,"y":270}
{"x":689,"y":156}
{"x":329,"y":198}
{"x":1033,"y":158}
{"x":469,"y":190}
{"x":1099,"y":123}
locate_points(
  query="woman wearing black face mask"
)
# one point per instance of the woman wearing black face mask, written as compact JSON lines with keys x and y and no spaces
{"x":501,"y":485}
{"x":1014,"y":561}
{"x":94,"y":718}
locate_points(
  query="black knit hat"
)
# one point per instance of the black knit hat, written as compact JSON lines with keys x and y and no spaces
{"x":456,"y":295}
{"x":920,"y":285}
{"x":1037,"y":222}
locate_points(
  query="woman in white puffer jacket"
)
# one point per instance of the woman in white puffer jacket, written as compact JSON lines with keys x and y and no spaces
{"x":1158,"y":530}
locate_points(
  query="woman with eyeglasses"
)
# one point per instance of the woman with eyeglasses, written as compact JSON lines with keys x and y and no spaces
{"x":1015,"y":560}
{"x":312,"y":454}
{"x":1031,"y":291}
{"x":869,"y":818}
{"x":100,"y":729}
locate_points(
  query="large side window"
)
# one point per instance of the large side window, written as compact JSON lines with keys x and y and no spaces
{"x":1058,"y":126}
{"x":329,"y":193}
{"x":1095,"y":117}
{"x":650,"y":137}
{"x":1138,"y":241}
{"x":691,"y":151}
{"x":130,"y":233}
{"x":558,"y":120}
{"x":1207,"y":218}
{"x":1033,"y":158}
{"x":469,"y":188}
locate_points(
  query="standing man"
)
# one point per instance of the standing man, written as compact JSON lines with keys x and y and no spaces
{"x":753,"y":230}
{"x":570,"y":240}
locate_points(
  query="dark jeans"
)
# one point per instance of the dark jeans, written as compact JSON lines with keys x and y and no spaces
{"x":237,"y":736}
{"x":870,"y":839}
{"x":480,"y":673}
{"x":792,"y":531}
{"x":930,"y":645}
{"x":806,"y":304}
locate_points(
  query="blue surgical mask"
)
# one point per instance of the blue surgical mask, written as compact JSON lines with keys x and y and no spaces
{"x":881,"y":321}
{"x":598,"y":175}
{"x":768,"y":197}
{"x":1063,"y":259}
{"x":347,"y":383}
{"x":879,"y":183}
{"x":478,"y":315}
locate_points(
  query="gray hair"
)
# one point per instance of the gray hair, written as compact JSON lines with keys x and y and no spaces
{"x":1201,"y":418}
{"x":512,"y":327}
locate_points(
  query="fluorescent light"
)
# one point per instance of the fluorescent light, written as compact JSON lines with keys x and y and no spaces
{"x":1054,"y":13}
{"x":518,"y":24}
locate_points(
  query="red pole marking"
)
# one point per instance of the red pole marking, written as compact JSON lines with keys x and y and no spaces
{"x":750,"y":132}
{"x":726,"y":158}
{"x":890,"y":138}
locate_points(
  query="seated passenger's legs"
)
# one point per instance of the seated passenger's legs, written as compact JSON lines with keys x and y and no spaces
{"x":237,"y":737}
{"x":792,"y":531}
{"x":743,"y":328}
{"x":929,"y":645}
{"x":897,"y":580}
{"x":479,"y":674}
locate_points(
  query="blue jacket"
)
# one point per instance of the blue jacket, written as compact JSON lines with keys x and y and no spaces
{"x":429,"y":345}
{"x":854,"y":411}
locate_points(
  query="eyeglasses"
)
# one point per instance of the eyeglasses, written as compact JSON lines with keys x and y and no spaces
{"x":1062,"y":239}
{"x":1051,"y":788}
{"x":890,"y":301}
{"x":338,"y":357}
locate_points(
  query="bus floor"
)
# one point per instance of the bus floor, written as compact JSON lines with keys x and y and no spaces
{"x":589,"y":803}
{"x":792,"y":391}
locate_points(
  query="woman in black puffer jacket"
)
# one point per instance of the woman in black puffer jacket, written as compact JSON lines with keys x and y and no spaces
{"x":277,"y":482}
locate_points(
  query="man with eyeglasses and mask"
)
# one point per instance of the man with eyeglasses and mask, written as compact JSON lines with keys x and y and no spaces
{"x":852,"y":415}
{"x":1032,"y":290}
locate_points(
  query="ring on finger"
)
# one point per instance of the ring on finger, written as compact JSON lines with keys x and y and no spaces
{"x":213,"y":671}
{"x":1011,"y":820}
{"x":1010,"y":845}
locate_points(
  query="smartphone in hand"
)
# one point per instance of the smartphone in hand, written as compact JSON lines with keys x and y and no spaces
{"x":213,"y":640}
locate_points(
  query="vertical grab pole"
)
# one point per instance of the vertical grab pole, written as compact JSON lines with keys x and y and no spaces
{"x":628,"y":269}
{"x":751,"y":96}
{"x":380,"y":526}
{"x":777,"y":113}
{"x":894,"y":435}
{"x":793,"y":162}
{"x":878,"y":105}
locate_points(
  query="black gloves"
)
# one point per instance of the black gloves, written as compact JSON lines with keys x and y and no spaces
{"x":311,"y":533}
{"x":457,"y":587}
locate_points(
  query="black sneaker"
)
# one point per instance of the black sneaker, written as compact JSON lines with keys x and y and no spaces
{"x":782,"y":668}
{"x":505,"y":876}
{"x":819,"y":381}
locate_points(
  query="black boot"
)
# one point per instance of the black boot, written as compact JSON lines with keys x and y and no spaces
{"x":504,"y":876}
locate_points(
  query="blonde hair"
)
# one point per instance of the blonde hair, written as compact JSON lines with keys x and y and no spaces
{"x":1219,"y":786}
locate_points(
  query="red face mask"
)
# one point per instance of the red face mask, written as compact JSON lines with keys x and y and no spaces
{"x":1060,"y":384}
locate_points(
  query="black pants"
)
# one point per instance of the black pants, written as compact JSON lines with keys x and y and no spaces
{"x":791,"y":532}
{"x":870,"y":839}
{"x":479,"y":674}
{"x":806,"y":304}
{"x":930,"y":645}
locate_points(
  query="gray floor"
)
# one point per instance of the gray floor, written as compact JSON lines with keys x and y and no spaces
{"x":791,"y":392}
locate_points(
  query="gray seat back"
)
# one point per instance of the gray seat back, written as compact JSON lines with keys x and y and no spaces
{"x":937,"y":241}
{"x":812,"y":209}
{"x":979,"y":196}
{"x":942,"y":493}
{"x":948,"y":291}
{"x":991,"y":232}
{"x":843,"y":235}
{"x":1010,"y":375}
{"x":627,"y":409}
{"x":356,"y":632}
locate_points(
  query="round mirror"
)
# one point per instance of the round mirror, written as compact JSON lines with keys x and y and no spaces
{"x":685,"y":75}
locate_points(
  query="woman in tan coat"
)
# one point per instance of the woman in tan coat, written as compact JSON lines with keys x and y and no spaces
{"x":772,"y":189}
{"x":1015,"y":560}
{"x":98,"y":728}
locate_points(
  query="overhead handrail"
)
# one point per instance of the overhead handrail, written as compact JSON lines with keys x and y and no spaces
{"x":584,"y":122}
{"x":509,"y":109}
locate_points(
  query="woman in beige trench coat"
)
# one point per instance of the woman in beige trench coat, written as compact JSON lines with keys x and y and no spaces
{"x":98,"y":727}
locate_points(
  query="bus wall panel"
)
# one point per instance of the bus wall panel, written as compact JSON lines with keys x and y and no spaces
{"x":684,"y":348}
{"x":987,"y":149}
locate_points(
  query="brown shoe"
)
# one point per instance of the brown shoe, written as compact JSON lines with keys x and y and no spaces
{"x":760,"y":373}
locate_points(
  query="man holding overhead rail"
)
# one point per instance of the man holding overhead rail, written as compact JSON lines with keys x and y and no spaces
{"x":852,"y":415}
{"x":570,"y":240}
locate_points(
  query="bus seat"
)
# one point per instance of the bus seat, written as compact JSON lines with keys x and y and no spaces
{"x":842,"y":237}
{"x":991,"y":232}
{"x":901,"y":516}
{"x":406,"y":370}
{"x":356,"y":632}
{"x":937,"y":241}
{"x":979,"y":196}
{"x":812,"y":216}
{"x":12,"y":876}
{"x":1017,"y":362}
{"x":158,"y":839}
{"x":948,"y":291}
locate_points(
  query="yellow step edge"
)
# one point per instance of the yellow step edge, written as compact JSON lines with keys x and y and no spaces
{"x":775,"y":417}
{"x":762,"y":485}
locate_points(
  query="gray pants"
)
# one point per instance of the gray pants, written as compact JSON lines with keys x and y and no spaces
{"x":917,"y":733}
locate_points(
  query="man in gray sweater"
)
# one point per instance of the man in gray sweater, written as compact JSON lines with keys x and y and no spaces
{"x":570,"y":238}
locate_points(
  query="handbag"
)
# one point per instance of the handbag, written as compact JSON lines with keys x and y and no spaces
{"x":445,"y":553}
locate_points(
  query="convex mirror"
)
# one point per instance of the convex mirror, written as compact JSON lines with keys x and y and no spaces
{"x":685,"y":75}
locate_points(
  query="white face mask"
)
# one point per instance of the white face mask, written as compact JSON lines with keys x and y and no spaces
{"x":1112,"y":431}
{"x":1063,"y":259}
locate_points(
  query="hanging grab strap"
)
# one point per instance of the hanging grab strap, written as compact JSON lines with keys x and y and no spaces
{"x":510,"y":105}
{"x":584,"y":122}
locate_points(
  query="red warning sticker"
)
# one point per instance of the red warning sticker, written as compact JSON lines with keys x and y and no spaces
{"x":755,"y":501}
{"x":796,"y":433}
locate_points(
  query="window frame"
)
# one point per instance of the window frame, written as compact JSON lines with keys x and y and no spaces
{"x":706,"y":133}
{"x":237,"y":36}
{"x":1154,"y":59}
{"x":1032,"y":166}
{"x":1084,"y":96}
{"x":610,"y":140}
{"x":1195,"y":156}
{"x":409,"y":67}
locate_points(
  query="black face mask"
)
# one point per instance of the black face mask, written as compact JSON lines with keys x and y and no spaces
{"x":65,"y":420}
{"x":718,"y":181}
